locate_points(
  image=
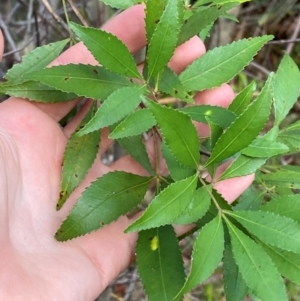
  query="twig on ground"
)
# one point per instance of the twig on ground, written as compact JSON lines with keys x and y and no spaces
{"x":294,"y":36}
{"x":54,"y":15}
{"x":290,"y":41}
{"x":77,"y":13}
{"x":9,"y":39}
{"x":260,"y":68}
{"x":131,"y":286}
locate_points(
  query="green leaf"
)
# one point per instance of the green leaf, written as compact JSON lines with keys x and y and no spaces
{"x":282,"y":178}
{"x":207,"y":254}
{"x":286,"y":88}
{"x":251,"y":199}
{"x":198,"y":21}
{"x":243,"y":99}
{"x":117,"y":106}
{"x":234,"y":285}
{"x":242,"y":166}
{"x":291,"y":136}
{"x":197,"y":208}
{"x":121,"y":4}
{"x":136,"y":123}
{"x":83,"y":80}
{"x":80,"y":153}
{"x":245,"y":128}
{"x":176,"y":170}
{"x":160,"y":263}
{"x":35,"y":60}
{"x":109,"y":197}
{"x":215,"y":132}
{"x":169,"y":83}
{"x":221,"y":64}
{"x":179,"y":134}
{"x":136,"y":149}
{"x":256,"y":267}
{"x":205,"y":32}
{"x":167,"y":205}
{"x":108,"y":50}
{"x":212,"y":212}
{"x":292,"y":127}
{"x":36,"y":91}
{"x":164,"y":39}
{"x":276,"y":230}
{"x":264,"y":148}
{"x":218,"y":115}
{"x":287,"y":205}
{"x":153,"y":12}
{"x":287,"y":263}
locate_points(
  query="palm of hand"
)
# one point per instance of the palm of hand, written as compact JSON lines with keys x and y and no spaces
{"x":32,"y":146}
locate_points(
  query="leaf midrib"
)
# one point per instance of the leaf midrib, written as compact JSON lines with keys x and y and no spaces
{"x":217,"y":66}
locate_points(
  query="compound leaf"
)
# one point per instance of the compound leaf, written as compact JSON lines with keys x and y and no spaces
{"x":164,"y":39}
{"x":276,"y":230}
{"x":160,"y":263}
{"x":35,"y":60}
{"x":196,"y":22}
{"x":103,"y":202}
{"x":108,"y":50}
{"x":286,"y":88}
{"x":291,"y":136}
{"x":287,"y":205}
{"x":264,"y":148}
{"x":136,"y":123}
{"x":234,"y":285}
{"x":197,"y":208}
{"x":136,"y":149}
{"x":245,"y":128}
{"x":251,"y":199}
{"x":287,"y":263}
{"x":83,"y":80}
{"x":256,"y":267}
{"x":36,"y":91}
{"x":117,"y":106}
{"x":167,"y":205}
{"x":153,"y":12}
{"x":215,"y":132}
{"x":207,"y":253}
{"x":218,"y":115}
{"x":221,"y":64}
{"x":283,"y":178}
{"x":80,"y":153}
{"x":242,"y":166}
{"x":179,"y":134}
{"x":243,"y":99}
{"x":169,"y":83}
{"x":177,"y":171}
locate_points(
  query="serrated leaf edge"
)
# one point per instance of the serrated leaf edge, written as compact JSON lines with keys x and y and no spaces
{"x":246,"y":63}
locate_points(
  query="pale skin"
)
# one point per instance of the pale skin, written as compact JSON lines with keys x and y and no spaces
{"x":33,"y":265}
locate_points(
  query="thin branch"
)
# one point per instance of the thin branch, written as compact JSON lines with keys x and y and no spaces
{"x":290,"y":46}
{"x":9,"y":39}
{"x":77,"y":13}
{"x":19,"y":49}
{"x":291,"y":41}
{"x":260,"y":68}
{"x":54,"y":15}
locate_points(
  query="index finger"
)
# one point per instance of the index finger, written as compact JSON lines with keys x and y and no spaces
{"x":128,"y":26}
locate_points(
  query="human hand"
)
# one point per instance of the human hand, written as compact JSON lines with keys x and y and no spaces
{"x":34,"y":266}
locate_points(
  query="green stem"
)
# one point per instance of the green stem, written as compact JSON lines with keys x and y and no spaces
{"x":72,"y":39}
